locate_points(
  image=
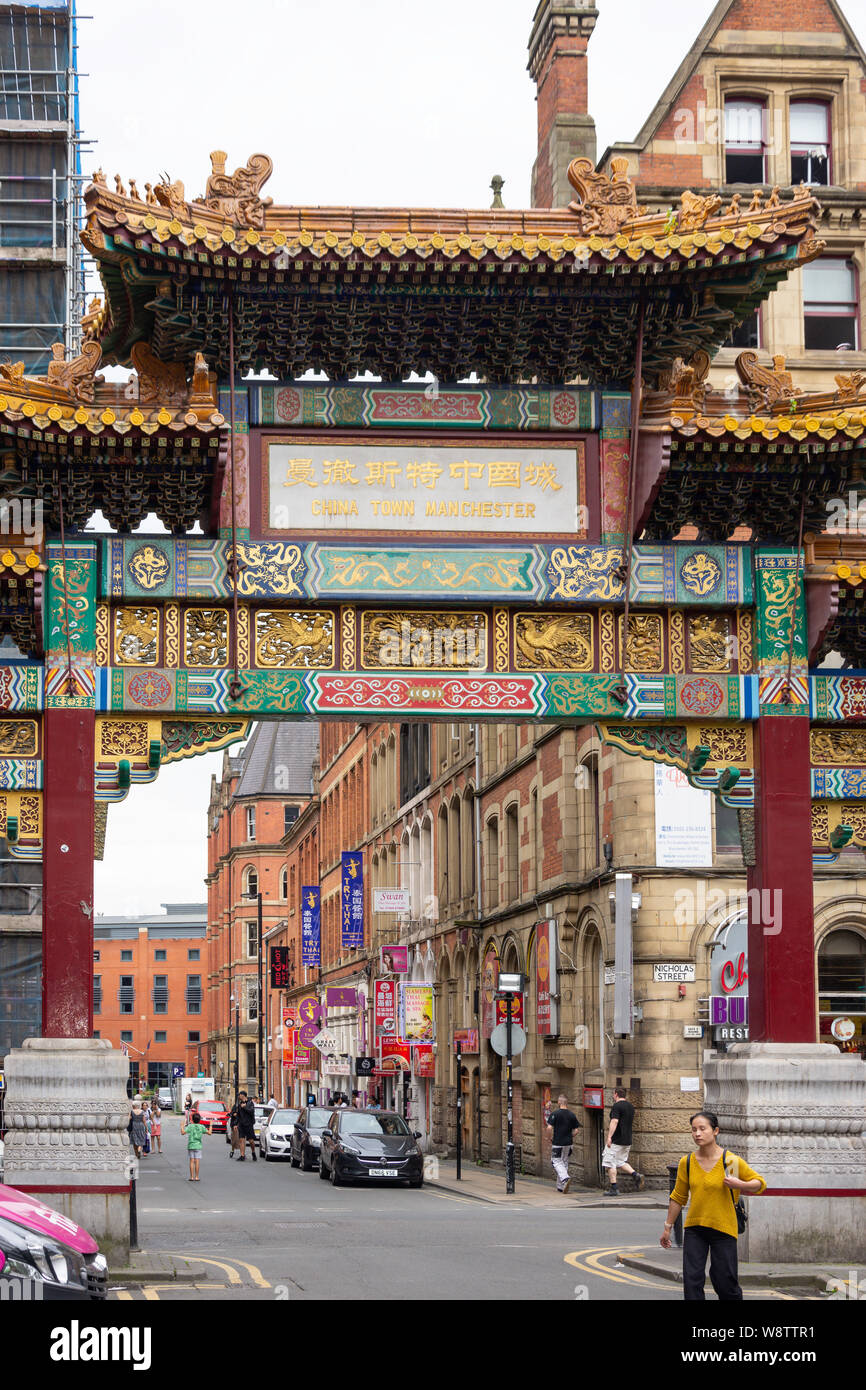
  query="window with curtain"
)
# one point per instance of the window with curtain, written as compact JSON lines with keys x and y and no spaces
{"x":809,"y":130}
{"x":831,"y":305}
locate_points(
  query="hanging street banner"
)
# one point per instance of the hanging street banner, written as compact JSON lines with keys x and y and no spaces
{"x":340,"y":997}
{"x":352,"y":903}
{"x":425,"y":1062}
{"x":281,"y":967}
{"x":489,"y":974}
{"x":394,"y":960}
{"x":385,"y":1008}
{"x":418,"y":1013}
{"x":547,"y":1010}
{"x":290,"y":1036}
{"x":390,"y":899}
{"x":309,"y":1017}
{"x":311,"y":926}
{"x":395,"y":1056}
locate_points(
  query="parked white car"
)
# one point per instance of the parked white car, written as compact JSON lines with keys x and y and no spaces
{"x":275,"y":1138}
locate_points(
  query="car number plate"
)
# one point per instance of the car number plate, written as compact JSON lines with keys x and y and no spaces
{"x":384,"y":1173}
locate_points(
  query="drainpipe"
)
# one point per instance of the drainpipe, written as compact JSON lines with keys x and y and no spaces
{"x":478,"y":821}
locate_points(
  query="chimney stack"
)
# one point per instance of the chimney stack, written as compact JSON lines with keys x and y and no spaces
{"x":560,"y":35}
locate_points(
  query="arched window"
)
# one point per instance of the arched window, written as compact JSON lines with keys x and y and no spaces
{"x":842,"y":990}
{"x":284,"y":884}
{"x":250,"y":882}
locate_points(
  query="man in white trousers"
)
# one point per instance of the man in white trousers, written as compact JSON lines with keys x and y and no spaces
{"x":561,"y":1124}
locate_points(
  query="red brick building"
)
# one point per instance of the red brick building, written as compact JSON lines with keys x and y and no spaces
{"x":148,"y":991}
{"x":262,"y":792}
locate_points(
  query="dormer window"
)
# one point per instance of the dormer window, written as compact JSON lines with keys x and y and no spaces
{"x":810,"y":142}
{"x":745,"y":147}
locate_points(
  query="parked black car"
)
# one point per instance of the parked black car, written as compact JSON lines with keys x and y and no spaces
{"x":307,"y":1136}
{"x":370,"y":1146}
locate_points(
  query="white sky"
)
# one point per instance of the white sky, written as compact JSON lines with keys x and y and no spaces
{"x":358,"y":104}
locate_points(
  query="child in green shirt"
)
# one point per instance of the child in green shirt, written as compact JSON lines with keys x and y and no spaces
{"x":194,"y":1129}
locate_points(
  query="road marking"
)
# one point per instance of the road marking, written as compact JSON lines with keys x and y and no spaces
{"x":596,"y":1252}
{"x":255,"y":1274}
{"x":449,"y":1197}
{"x":169,"y":1211}
{"x":123,"y":1295}
{"x":233,"y":1276}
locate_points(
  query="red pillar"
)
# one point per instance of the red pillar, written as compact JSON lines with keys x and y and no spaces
{"x":782,"y":1004}
{"x":67,"y":891}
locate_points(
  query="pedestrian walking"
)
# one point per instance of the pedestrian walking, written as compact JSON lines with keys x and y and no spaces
{"x":232,"y":1135}
{"x":709,"y":1181}
{"x":616,"y":1149}
{"x":561,"y":1124}
{"x":136,"y":1129}
{"x":246,"y":1123}
{"x":156,"y":1126}
{"x":193,"y":1128}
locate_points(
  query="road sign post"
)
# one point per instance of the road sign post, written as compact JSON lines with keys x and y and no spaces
{"x":459,"y":1109}
{"x":509,"y":1081}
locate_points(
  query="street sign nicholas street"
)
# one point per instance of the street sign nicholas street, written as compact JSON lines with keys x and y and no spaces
{"x":498,"y":1039}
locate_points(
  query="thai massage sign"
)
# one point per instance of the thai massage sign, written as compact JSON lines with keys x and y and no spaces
{"x":417,"y":487}
{"x":352,"y":901}
{"x":547,"y":1007}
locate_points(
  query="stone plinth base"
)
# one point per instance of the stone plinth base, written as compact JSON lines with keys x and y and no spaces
{"x":796,"y":1113}
{"x":66,"y":1140}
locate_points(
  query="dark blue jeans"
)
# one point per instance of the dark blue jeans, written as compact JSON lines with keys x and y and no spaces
{"x":698,"y":1242}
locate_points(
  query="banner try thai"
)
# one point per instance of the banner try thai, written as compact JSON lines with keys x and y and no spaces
{"x":352,"y":901}
{"x":311,"y":926}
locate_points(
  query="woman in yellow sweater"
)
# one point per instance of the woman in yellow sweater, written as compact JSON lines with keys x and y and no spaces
{"x":711,"y":1189}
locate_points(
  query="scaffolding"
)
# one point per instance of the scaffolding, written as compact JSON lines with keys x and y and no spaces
{"x":42,"y":273}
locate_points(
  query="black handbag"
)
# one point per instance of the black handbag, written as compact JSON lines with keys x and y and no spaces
{"x":742,"y":1214}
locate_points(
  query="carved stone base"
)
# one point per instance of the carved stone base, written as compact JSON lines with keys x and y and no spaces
{"x":66,"y":1115}
{"x":797,"y":1114}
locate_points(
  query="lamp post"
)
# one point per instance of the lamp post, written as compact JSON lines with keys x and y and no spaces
{"x":233,"y":999}
{"x":260,"y":1073}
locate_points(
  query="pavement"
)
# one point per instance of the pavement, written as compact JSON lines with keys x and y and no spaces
{"x":668,"y":1264}
{"x":488,"y":1185}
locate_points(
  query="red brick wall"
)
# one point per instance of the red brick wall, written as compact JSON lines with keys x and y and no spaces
{"x":679,"y":170}
{"x":812,"y":16}
{"x":561,"y":88}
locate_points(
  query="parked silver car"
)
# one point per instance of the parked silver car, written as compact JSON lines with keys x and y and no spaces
{"x":275,"y":1139}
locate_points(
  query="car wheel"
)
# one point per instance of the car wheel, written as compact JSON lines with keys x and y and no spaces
{"x":416,"y":1182}
{"x":336,"y":1180}
{"x":306,"y":1165}
{"x":323,"y":1172}
{"x":295,"y":1162}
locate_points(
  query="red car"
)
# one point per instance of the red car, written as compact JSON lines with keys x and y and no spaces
{"x":214,"y":1113}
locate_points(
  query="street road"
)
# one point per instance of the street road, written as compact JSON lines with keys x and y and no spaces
{"x":269,"y":1231}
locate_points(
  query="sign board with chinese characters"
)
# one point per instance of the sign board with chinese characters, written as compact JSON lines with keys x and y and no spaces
{"x":674,"y":972}
{"x":414,"y":487}
{"x":385,"y":1008}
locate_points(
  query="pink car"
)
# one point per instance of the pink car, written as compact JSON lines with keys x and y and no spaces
{"x":46,"y":1252}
